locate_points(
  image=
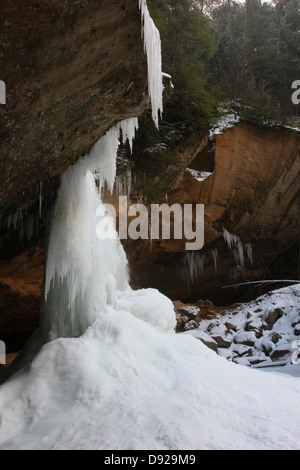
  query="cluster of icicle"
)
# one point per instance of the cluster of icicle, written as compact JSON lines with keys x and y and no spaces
{"x":236,"y":245}
{"x":83,"y":273}
{"x":28,"y":217}
{"x":190,"y":270}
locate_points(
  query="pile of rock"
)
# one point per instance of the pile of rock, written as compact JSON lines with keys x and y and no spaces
{"x":256,"y":334}
{"x":189,"y":316}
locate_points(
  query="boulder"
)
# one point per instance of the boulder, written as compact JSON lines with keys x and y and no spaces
{"x":191,"y":325}
{"x":221,"y":341}
{"x":281,"y":352}
{"x":271,"y":317}
{"x":267,"y":347}
{"x":209,"y":315}
{"x":275,"y":337}
{"x":247,"y":338}
{"x":189,"y":311}
{"x":297,"y":330}
{"x":230,"y":326}
{"x":256,"y":326}
{"x":206,"y":339}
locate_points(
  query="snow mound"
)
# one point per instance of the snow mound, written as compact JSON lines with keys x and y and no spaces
{"x":126,"y":385}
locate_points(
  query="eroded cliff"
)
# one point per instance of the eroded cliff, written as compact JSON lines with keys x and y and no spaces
{"x":251,"y":201}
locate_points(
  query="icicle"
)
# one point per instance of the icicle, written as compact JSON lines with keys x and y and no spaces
{"x":215,"y":256}
{"x":129,"y":128}
{"x":40,"y":199}
{"x":191,"y":268}
{"x":152,"y":46}
{"x":123,"y":183}
{"x":29,"y":227}
{"x":249,"y":251}
{"x":235,"y":244}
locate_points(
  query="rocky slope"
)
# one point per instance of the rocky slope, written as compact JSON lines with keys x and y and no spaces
{"x":261,"y":333}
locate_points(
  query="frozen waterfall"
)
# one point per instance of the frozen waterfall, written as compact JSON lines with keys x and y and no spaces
{"x":127,"y":381}
{"x":84,"y":273}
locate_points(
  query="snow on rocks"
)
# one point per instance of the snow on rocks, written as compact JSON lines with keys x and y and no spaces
{"x":247,"y":338}
{"x":189,"y":316}
{"x":198,"y":175}
{"x":281,"y":352}
{"x":229,"y":119}
{"x":258,"y":333}
{"x":297,"y":330}
{"x":206,"y":339}
{"x":222,"y":341}
{"x":271,"y":317}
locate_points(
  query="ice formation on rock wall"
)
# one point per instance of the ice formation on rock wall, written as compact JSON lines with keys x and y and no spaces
{"x":152,"y":46}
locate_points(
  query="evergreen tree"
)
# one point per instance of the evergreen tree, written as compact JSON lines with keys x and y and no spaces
{"x":258,"y":55}
{"x":187,"y":48}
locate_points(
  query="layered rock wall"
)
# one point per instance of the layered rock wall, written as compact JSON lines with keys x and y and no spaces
{"x":253,"y":193}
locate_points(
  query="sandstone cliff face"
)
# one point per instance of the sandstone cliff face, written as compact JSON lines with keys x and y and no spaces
{"x":72,"y":70}
{"x":253,"y":193}
{"x":254,"y":189}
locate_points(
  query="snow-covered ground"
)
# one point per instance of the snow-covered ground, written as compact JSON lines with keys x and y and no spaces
{"x":129,"y":382}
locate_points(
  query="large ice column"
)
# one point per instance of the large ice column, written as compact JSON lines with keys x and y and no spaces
{"x":83,"y":272}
